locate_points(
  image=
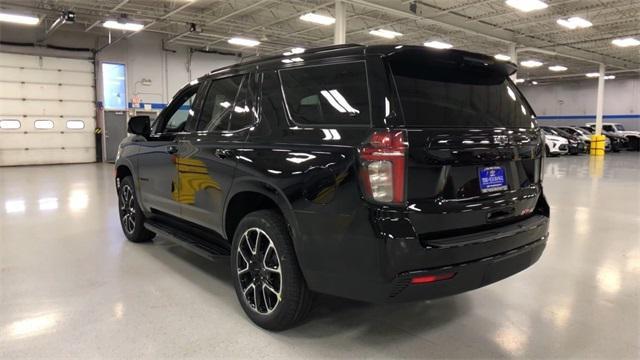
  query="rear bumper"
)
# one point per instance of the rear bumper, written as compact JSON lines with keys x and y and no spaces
{"x":384,"y":273}
{"x":468,"y":276}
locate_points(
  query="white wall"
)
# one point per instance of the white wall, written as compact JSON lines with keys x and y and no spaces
{"x":168,"y":70}
{"x":575,"y":98}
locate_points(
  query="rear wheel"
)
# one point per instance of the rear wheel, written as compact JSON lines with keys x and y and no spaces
{"x":267,"y":278}
{"x":131,"y":216}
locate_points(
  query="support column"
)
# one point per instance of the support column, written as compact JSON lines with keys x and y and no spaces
{"x":600,"y":101}
{"x":514,"y":59}
{"x":340,"y":28}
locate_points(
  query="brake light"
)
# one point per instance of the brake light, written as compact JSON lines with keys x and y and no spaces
{"x":383,"y":167}
{"x":431,"y":278}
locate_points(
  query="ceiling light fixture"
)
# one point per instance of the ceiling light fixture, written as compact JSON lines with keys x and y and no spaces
{"x":557,"y":68}
{"x":531,"y":63}
{"x":534,"y":82}
{"x":596,"y":75}
{"x":626,"y":42}
{"x":126,"y":26}
{"x":243,"y":42}
{"x":527,"y":5}
{"x":438,"y":44}
{"x":19,"y":19}
{"x":318,"y":19}
{"x":519,"y":81}
{"x":387,"y":34}
{"x":574,"y":22}
{"x":502,"y":57}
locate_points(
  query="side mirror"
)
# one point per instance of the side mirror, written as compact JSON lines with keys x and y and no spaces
{"x":140,"y":125}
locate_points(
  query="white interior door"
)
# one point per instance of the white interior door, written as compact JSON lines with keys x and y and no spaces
{"x":47,"y":110}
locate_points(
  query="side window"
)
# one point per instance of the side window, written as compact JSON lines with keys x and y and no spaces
{"x":328,"y":94}
{"x":271,"y":104}
{"x":179,"y":111}
{"x":243,"y":114}
{"x":608,"y":128}
{"x":219,"y":102}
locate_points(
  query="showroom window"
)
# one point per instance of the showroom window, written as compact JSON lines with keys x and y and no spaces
{"x":43,"y":124}
{"x":327,"y":94}
{"x":9,"y":124}
{"x":75,"y":124}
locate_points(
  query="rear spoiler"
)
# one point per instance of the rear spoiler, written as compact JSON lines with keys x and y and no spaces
{"x":424,"y":55}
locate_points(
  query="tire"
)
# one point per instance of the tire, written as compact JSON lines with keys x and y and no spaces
{"x":262,"y":254}
{"x":131,"y":216}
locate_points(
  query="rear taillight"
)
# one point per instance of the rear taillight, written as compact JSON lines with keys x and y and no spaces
{"x":426,"y":279}
{"x":383,"y":167}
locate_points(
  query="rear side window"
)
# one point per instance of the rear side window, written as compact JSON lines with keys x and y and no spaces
{"x":442,"y":96}
{"x":219,"y":102}
{"x":243,"y":111}
{"x":327,"y":94}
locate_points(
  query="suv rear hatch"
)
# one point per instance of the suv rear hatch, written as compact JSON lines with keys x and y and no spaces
{"x":474,"y":149}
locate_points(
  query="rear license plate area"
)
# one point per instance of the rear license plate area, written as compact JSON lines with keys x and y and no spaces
{"x":492,"y":179}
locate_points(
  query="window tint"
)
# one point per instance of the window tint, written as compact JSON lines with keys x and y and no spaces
{"x":75,"y":124}
{"x":219,"y":102}
{"x":43,"y":124}
{"x":243,"y":114}
{"x":182,"y":110}
{"x":328,"y":94}
{"x":619,"y":127}
{"x":608,"y":128}
{"x":271,"y":107}
{"x":447,"y":95}
{"x":10,"y":124}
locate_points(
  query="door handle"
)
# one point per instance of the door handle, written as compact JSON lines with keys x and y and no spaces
{"x":223,"y":153}
{"x":172,"y":149}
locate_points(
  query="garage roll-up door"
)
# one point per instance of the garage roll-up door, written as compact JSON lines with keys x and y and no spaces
{"x":47,"y":110}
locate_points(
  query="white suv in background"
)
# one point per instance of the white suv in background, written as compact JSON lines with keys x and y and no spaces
{"x":616,"y":129}
{"x":555,"y":145}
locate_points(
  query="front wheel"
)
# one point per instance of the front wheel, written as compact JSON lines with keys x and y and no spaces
{"x":131,"y":216}
{"x":267,"y":277}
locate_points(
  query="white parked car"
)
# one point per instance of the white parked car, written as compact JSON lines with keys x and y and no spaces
{"x":555,"y":145}
{"x":616,"y":129}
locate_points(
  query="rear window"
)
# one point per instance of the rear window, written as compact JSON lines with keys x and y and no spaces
{"x":328,"y":94}
{"x":452,"y":96}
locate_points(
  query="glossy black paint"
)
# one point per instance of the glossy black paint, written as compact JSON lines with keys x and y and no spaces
{"x":345,"y":245}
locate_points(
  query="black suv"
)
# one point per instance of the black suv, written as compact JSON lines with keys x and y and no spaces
{"x":376,"y":173}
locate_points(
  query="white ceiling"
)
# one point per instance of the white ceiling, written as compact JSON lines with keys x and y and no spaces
{"x":486,"y":26}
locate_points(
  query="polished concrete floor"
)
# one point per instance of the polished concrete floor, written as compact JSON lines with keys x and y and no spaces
{"x":72,"y":286}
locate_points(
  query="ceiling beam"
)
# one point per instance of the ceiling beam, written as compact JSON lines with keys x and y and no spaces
{"x":431,"y":15}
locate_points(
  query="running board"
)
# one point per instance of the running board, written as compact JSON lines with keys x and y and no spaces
{"x":200,"y":245}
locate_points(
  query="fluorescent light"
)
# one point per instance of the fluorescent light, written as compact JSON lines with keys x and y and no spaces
{"x":438,"y":44}
{"x":112,"y":24}
{"x":19,"y":19}
{"x":557,"y":68}
{"x":574,"y":22}
{"x":531,"y":63}
{"x":595,"y":75}
{"x":318,"y":19}
{"x":502,"y":57}
{"x":626,"y":42}
{"x":519,"y":81}
{"x":527,"y":5}
{"x":534,"y":82}
{"x":388,"y":34}
{"x":243,"y":42}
